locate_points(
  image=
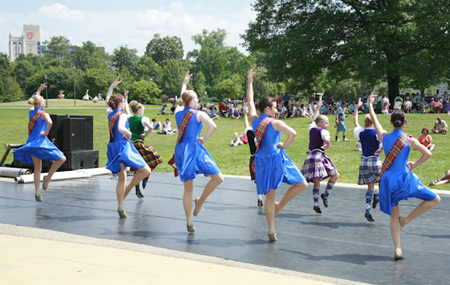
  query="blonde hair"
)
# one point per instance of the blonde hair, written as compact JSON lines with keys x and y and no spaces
{"x":136,"y":106}
{"x":35,"y":100}
{"x":368,"y":121}
{"x":320,"y":118}
{"x":115,"y":100}
{"x":186,"y":97}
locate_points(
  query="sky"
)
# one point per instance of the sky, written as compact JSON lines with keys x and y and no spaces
{"x":131,"y":23}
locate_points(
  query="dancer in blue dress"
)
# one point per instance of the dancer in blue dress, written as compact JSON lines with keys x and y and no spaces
{"x":272,"y":165}
{"x":121,"y":152}
{"x":191,"y":157}
{"x":399,"y":182}
{"x":38,"y":146}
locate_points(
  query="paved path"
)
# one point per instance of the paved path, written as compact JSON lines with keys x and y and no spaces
{"x":335,"y":246}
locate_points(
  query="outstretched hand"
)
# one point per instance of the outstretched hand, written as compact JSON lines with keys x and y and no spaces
{"x":250,"y":74}
{"x":372,"y":97}
{"x":116,"y":82}
{"x":125,"y":94}
{"x":42,"y":87}
{"x":360,"y":102}
{"x":187,"y":77}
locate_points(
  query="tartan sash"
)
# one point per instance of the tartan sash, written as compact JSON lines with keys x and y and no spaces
{"x":181,"y":129}
{"x":33,"y":121}
{"x":111,"y":122}
{"x":260,"y":131}
{"x":394,"y":152}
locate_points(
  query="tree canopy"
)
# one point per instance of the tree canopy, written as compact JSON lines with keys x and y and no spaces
{"x":374,"y":40}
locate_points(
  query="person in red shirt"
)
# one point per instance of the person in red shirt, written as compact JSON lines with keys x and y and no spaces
{"x":426,"y":139}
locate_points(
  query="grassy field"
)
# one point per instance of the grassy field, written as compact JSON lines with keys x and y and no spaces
{"x":232,"y":160}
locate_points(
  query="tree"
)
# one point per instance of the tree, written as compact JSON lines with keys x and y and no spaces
{"x":230,"y":88}
{"x":24,"y":67}
{"x":162,"y":50}
{"x":262,"y":87}
{"x":198,"y":82}
{"x":124,"y":56}
{"x":210,"y":59}
{"x":57,"y":47}
{"x":88,"y":56}
{"x":374,"y":39}
{"x":173,"y":74}
{"x":148,"y":69}
{"x":145,"y":91}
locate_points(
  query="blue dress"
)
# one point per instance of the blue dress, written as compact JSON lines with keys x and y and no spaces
{"x":398,"y":182}
{"x":37,"y":146}
{"x":191,"y":157}
{"x":121,"y":150}
{"x":272,"y":165}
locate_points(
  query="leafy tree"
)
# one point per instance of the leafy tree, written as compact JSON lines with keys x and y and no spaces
{"x":172,"y":79}
{"x":210,"y":59}
{"x":88,"y":56}
{"x":98,"y":81}
{"x":262,"y":87}
{"x":230,"y":88}
{"x":124,"y":57}
{"x":145,"y":91}
{"x":24,"y":67}
{"x":148,"y":69}
{"x":57,"y":47}
{"x":162,"y":50}
{"x":377,"y":40}
{"x":198,"y":82}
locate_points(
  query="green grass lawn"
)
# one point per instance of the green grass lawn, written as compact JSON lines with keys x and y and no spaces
{"x":233,"y":160}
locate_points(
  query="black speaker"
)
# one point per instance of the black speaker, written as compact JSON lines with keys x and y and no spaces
{"x":80,"y":159}
{"x":55,"y":135}
{"x":59,"y":134}
{"x":89,"y":129}
{"x":74,"y":134}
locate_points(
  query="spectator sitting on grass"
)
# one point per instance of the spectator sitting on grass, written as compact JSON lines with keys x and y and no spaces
{"x":426,"y":139}
{"x":440,"y":126}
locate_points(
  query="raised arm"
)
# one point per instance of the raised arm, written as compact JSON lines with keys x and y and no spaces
{"x":355,"y":113}
{"x":380,"y":131}
{"x":246,"y":124}
{"x":251,"y":104}
{"x":127,"y":108}
{"x":317,"y":109}
{"x":187,"y":77}
{"x":110,"y":92}
{"x":41,"y":88}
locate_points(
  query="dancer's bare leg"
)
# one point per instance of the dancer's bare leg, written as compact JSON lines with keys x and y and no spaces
{"x":120,"y":188}
{"x":291,"y":193}
{"x":37,"y":174}
{"x":187,"y":200}
{"x":421,"y":209}
{"x":395,"y":228}
{"x":140,"y":174}
{"x":210,"y":187}
{"x":55,"y":166}
{"x":269,"y":208}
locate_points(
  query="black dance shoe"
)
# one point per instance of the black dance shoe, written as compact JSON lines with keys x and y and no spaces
{"x":325,"y":200}
{"x":369,"y":217}
{"x":375,"y":202}
{"x":138,"y":192}
{"x":260,"y":203}
{"x":317,"y":209}
{"x":144,"y":182}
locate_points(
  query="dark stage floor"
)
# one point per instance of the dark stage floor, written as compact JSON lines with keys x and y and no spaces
{"x":339,"y":243}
